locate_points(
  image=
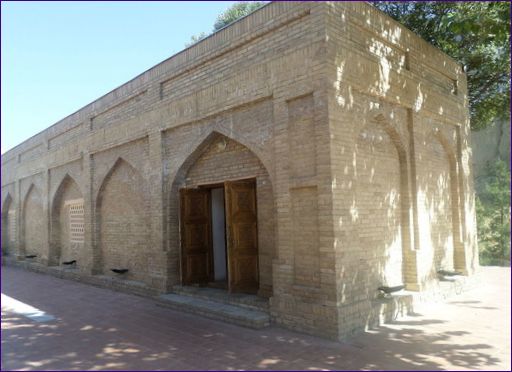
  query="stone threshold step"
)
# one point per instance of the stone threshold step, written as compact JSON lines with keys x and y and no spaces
{"x":216,"y":310}
{"x":252,"y":302}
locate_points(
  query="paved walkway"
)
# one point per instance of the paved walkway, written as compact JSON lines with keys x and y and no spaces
{"x":96,"y":329}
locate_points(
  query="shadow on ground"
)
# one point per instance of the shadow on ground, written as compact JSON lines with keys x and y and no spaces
{"x":96,"y":329}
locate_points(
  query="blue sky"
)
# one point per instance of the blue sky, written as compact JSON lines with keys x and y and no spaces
{"x":59,"y":56}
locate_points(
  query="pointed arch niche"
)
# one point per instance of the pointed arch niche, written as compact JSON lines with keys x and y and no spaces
{"x":382,"y":204}
{"x":9,"y":227}
{"x":33,"y":225}
{"x":67,"y":223}
{"x":444,"y":208}
{"x":122,"y":223}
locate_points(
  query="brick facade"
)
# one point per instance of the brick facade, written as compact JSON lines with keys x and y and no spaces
{"x":356,"y":132}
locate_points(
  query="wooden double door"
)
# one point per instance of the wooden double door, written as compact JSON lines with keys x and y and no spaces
{"x":241,"y":235}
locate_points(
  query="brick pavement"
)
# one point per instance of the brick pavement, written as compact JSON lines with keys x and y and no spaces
{"x":98,"y":329}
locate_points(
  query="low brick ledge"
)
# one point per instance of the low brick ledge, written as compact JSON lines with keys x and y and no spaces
{"x":102,"y":281}
{"x":388,"y":309}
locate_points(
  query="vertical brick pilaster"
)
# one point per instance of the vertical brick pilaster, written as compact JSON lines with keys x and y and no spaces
{"x":92,"y":255}
{"x":158,"y":261}
{"x":463,"y":242}
{"x":411,"y":275}
{"x":19,"y":247}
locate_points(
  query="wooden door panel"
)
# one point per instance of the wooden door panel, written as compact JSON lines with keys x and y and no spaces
{"x":196,"y":268}
{"x":242,"y":236}
{"x":196,"y":236}
{"x":244,"y":200}
{"x":245,"y":238}
{"x":246,"y":274}
{"x":196,"y":241}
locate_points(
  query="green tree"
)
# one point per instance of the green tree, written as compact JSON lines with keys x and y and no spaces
{"x":233,"y":13}
{"x":474,"y":33}
{"x":493,"y":216}
{"x":196,"y":38}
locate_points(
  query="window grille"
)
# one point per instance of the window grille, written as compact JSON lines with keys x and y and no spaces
{"x":76,"y":222}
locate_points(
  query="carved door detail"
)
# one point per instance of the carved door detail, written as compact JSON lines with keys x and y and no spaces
{"x":196,"y":240}
{"x":242,"y":236}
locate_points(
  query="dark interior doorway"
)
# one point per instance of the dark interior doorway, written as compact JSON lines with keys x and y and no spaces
{"x":220,"y":263}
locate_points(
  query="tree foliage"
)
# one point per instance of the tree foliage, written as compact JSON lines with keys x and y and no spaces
{"x":476,"y":34}
{"x":233,"y":13}
{"x":493,"y":216}
{"x":196,"y":38}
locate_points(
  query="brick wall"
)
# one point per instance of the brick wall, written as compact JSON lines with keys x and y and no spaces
{"x":399,"y":141}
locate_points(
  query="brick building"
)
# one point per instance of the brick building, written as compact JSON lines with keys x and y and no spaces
{"x":306,"y":154}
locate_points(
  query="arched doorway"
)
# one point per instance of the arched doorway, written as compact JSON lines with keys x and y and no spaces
{"x":225,"y":215}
